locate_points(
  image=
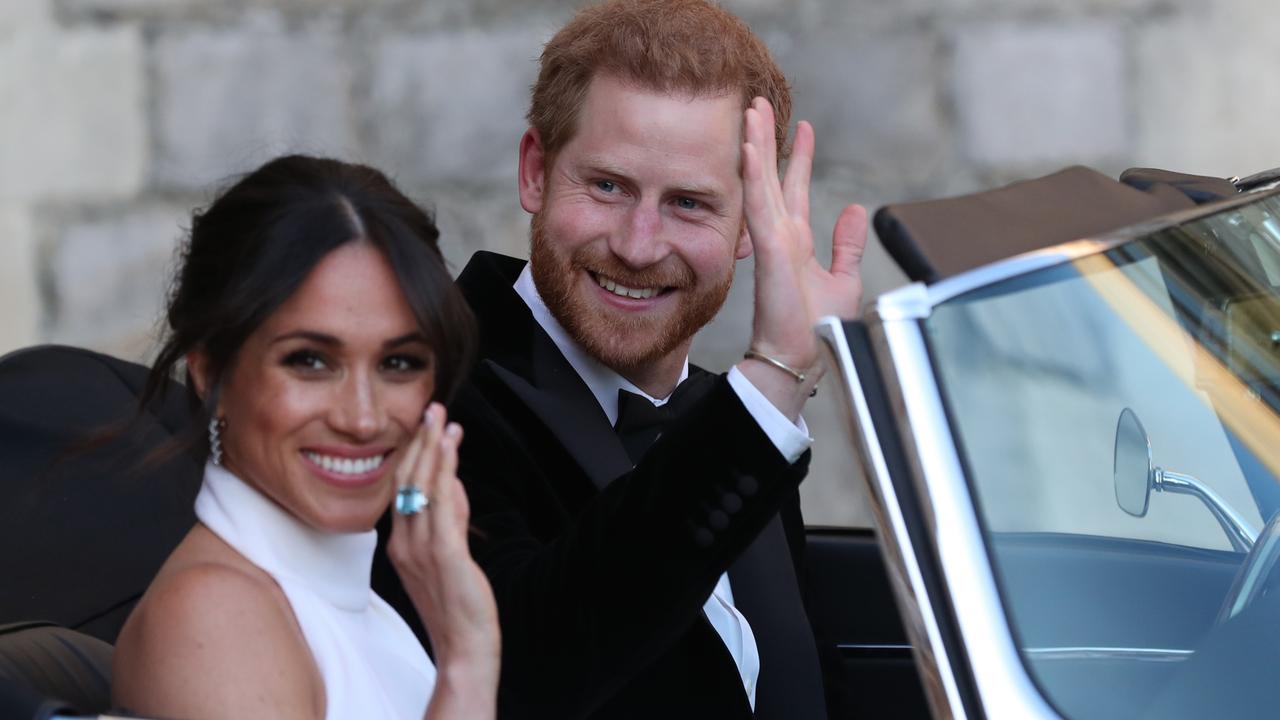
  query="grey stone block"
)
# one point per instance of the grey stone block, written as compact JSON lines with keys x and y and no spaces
{"x":226,"y":100}
{"x":73,"y":122}
{"x":225,"y":12}
{"x":479,"y":219}
{"x":1028,"y":93}
{"x":98,"y":11}
{"x":17,"y":15}
{"x":450,"y":107}
{"x":19,"y":294}
{"x":1203,"y":90}
{"x":458,"y":15}
{"x":801,"y":20}
{"x":108,"y":272}
{"x":875,"y":104}
{"x":834,"y":493}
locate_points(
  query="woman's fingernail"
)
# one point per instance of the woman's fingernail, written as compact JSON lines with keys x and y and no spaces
{"x":430,"y":414}
{"x":454,"y":430}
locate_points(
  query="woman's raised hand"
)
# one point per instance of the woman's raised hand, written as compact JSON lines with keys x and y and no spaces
{"x":449,"y":590}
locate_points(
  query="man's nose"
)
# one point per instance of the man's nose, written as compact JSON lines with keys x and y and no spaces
{"x":357,"y":412}
{"x":638,"y":243}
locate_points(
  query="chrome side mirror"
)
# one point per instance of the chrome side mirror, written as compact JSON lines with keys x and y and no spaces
{"x":1136,"y":477}
{"x":1133,"y":471}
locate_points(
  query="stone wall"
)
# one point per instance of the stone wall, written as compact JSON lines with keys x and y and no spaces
{"x":117,"y":117}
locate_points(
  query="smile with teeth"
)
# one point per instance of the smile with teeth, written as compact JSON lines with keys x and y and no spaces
{"x":624,"y":291}
{"x":345,"y":466}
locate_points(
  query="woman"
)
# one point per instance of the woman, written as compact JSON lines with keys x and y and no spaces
{"x":317,"y":322}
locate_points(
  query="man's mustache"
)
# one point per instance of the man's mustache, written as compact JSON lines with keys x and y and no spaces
{"x":671,"y":272}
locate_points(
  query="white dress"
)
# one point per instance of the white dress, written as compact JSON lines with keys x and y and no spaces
{"x":370,"y":661}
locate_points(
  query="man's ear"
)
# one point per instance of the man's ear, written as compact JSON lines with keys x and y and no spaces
{"x":198,"y":371}
{"x":533,"y":171}
{"x":744,"y":248}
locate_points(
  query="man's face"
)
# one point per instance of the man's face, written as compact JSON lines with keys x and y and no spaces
{"x":637,"y":222}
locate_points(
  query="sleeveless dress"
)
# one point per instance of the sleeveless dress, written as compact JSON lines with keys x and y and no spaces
{"x":370,"y":661}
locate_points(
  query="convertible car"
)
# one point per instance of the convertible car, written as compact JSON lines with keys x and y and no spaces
{"x":1067,"y":422}
{"x":1069,"y":427}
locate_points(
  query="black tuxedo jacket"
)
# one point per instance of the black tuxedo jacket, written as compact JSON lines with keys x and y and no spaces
{"x":600,"y":569}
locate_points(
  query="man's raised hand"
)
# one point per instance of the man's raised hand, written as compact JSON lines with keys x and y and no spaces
{"x":792,"y":289}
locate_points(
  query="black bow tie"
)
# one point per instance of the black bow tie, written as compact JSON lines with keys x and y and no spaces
{"x":640,"y":422}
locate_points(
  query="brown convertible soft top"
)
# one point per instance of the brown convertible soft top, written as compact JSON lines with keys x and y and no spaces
{"x":936,"y":239}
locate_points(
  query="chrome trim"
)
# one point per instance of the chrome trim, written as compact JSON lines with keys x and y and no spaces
{"x":1109,"y":653}
{"x":909,"y":302}
{"x":1257,"y":564}
{"x":1257,"y":181}
{"x":891,"y":651}
{"x":1237,"y":529}
{"x":896,"y":544}
{"x":906,"y":302}
{"x":1004,"y":689}
{"x":873,"y":646}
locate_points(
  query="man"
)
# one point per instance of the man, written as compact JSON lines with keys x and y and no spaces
{"x":645,"y":571}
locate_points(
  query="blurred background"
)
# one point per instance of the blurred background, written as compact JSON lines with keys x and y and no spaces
{"x":118,"y":117}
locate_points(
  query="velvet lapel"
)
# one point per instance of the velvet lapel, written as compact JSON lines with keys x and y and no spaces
{"x":529,"y":364}
{"x":766,"y":591}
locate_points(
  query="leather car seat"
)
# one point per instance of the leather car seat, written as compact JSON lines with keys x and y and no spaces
{"x":84,"y":524}
{"x":51,"y":669}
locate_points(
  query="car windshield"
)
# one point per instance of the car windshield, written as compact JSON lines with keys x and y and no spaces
{"x":1117,"y":418}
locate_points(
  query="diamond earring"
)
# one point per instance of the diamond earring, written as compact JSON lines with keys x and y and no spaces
{"x":215,"y":439}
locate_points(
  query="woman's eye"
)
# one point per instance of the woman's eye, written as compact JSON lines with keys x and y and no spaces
{"x":404,"y":363}
{"x":305,"y":360}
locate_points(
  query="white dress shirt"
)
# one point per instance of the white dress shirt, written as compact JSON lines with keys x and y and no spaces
{"x":791,"y":440}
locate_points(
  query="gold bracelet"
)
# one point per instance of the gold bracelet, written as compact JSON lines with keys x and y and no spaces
{"x":753,"y":354}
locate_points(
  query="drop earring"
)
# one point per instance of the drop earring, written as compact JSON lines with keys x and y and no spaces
{"x":215,"y":439}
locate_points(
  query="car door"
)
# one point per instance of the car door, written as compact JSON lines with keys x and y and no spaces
{"x":866,"y":656}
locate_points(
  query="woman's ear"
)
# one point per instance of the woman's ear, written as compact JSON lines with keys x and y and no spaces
{"x":198,"y":371}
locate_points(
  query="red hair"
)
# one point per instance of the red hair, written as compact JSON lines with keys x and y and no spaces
{"x":668,"y":46}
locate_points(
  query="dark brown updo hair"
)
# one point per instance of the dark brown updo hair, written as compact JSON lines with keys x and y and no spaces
{"x":255,"y":245}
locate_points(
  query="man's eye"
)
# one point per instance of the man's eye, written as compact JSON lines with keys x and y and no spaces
{"x":607,"y":186}
{"x":305,"y":360}
{"x":404,"y":363}
{"x":685,"y":203}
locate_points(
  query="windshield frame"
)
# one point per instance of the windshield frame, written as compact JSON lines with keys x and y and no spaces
{"x":907,"y":301}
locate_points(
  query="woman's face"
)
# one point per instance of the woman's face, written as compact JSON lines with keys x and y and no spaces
{"x":324,"y":395}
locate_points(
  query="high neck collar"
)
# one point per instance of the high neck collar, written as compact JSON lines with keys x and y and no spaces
{"x":336,"y":566}
{"x":603,"y":381}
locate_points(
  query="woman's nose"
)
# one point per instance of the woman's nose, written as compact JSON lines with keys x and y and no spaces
{"x":358,"y":412}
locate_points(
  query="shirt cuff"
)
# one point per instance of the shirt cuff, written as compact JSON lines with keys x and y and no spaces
{"x":791,"y":439}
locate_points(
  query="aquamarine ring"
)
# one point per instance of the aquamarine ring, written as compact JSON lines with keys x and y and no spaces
{"x":411,"y":501}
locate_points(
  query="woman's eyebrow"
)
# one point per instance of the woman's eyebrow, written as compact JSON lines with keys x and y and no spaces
{"x":312,"y":335}
{"x":413,"y":337}
{"x":333,"y":341}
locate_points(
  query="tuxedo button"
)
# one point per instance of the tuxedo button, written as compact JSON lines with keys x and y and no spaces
{"x":703,"y":538}
{"x":731,"y":502}
{"x":717,"y":520}
{"x":747,"y":485}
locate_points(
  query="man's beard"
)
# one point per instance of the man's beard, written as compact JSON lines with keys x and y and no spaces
{"x":622,"y":341}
